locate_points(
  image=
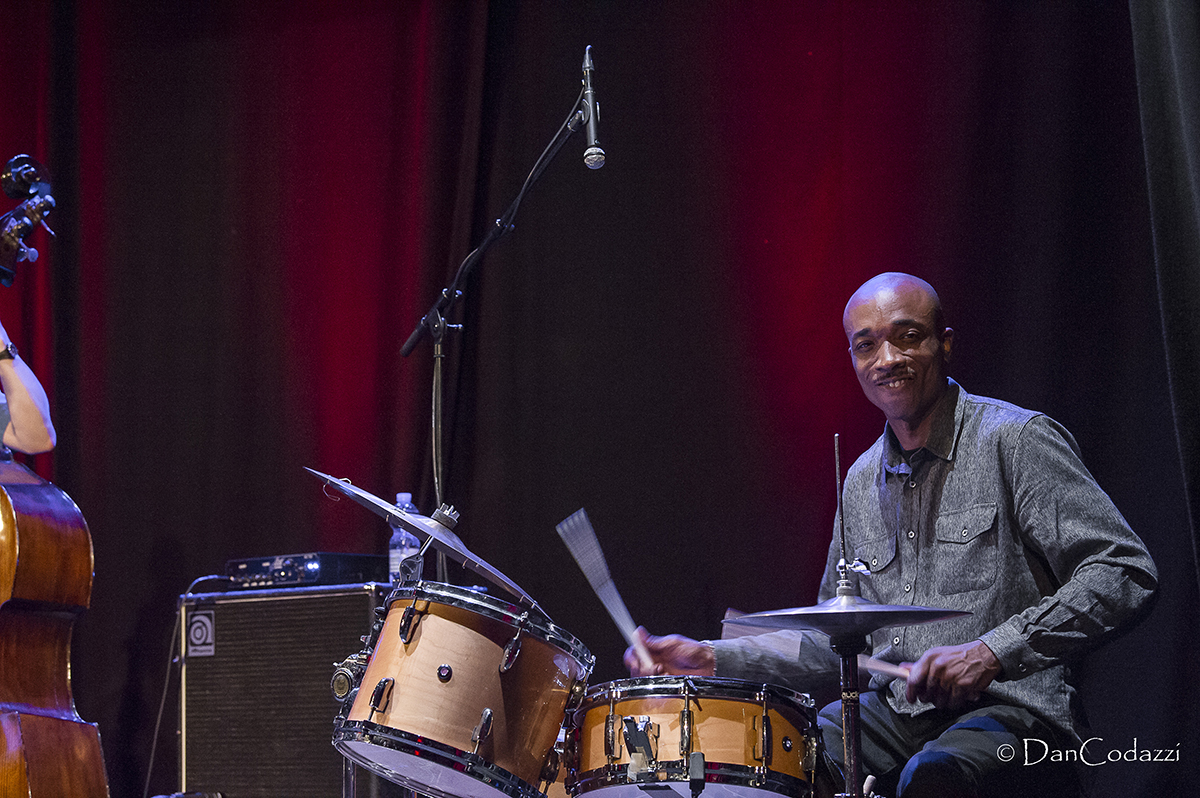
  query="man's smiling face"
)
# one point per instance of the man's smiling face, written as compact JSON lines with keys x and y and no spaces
{"x":898,"y":346}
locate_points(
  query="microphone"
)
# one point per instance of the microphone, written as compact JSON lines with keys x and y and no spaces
{"x":593,"y":156}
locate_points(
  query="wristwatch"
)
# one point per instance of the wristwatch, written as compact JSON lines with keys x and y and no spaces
{"x":9,"y":352}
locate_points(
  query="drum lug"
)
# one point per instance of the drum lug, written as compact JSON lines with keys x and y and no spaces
{"x":408,"y":622}
{"x":575,"y":697}
{"x":760,"y":739}
{"x":685,"y":721}
{"x":381,"y":697}
{"x":612,"y":743}
{"x":551,"y":766}
{"x":685,"y":734}
{"x":483,"y":730}
{"x":760,"y":736}
{"x":513,"y":647}
{"x":812,"y":744}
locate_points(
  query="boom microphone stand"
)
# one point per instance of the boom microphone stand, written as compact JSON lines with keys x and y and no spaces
{"x":434,"y":325}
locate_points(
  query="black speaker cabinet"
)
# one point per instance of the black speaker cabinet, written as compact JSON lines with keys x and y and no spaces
{"x":256,"y":712}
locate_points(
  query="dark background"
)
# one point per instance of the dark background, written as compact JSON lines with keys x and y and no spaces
{"x":257,"y":201}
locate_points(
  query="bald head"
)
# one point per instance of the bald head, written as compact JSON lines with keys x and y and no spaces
{"x":890,"y":286}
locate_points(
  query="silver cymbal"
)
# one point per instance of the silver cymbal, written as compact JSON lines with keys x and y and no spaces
{"x":845,"y":615}
{"x":426,"y":528}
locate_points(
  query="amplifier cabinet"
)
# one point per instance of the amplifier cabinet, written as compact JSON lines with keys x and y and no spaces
{"x":256,"y":712}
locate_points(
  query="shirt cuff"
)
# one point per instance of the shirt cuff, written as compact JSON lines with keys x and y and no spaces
{"x":1014,"y":654}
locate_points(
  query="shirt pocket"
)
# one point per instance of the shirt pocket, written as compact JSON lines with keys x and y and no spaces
{"x":965,"y":555}
{"x":877,"y":552}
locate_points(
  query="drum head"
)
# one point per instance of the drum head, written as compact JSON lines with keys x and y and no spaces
{"x":426,"y":766}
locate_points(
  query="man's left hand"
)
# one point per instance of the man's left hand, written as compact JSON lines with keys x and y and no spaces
{"x":950,"y":676}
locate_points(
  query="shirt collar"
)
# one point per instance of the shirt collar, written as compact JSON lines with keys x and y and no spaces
{"x":943,"y":432}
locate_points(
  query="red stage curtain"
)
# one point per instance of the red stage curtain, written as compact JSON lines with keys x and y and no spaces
{"x":26,"y":308}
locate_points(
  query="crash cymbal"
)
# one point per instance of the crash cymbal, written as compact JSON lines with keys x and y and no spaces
{"x":845,"y":615}
{"x":425,"y":528}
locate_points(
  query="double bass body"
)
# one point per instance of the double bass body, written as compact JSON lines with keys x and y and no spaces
{"x":46,"y":749}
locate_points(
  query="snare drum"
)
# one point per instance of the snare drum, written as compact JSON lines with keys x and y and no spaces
{"x":638,"y":734}
{"x":464,"y":695}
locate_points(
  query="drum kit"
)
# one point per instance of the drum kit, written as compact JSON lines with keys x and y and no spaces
{"x":461,"y":694}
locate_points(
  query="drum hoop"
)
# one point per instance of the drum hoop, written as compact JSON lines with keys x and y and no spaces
{"x":506,"y":612}
{"x":700,"y":687}
{"x":714,"y":772}
{"x":428,"y":750}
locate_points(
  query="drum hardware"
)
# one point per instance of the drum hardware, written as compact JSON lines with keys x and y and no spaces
{"x":641,"y":740}
{"x":483,"y":730}
{"x":553,"y":763}
{"x":446,"y":515}
{"x":612,"y":743}
{"x":696,"y":780}
{"x":411,"y":615}
{"x":686,"y":720}
{"x":347,"y":672}
{"x":812,"y":747}
{"x":762,"y":751}
{"x":570,"y":753}
{"x":756,"y":754}
{"x":685,"y":729}
{"x":444,"y":673}
{"x":381,"y":697}
{"x":513,"y":647}
{"x":575,"y":698}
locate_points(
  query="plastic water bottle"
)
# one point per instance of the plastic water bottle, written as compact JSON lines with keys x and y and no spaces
{"x":403,"y":564}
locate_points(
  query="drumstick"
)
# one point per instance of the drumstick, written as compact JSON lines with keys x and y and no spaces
{"x":880,"y":666}
{"x":576,"y":531}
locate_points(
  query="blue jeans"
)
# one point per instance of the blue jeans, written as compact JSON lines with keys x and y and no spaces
{"x":943,"y":754}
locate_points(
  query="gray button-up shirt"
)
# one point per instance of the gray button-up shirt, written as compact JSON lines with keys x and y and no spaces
{"x":996,"y":515}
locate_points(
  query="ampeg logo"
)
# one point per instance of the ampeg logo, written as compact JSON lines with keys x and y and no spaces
{"x":201,"y":634}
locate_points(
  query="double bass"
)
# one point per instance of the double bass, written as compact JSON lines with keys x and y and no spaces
{"x":46,"y":749}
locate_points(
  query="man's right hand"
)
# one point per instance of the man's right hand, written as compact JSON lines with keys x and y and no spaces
{"x":674,"y":654}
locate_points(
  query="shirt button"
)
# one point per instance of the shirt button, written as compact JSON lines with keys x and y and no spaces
{"x":964,"y":532}
{"x":911,"y":534}
{"x":907,"y":588}
{"x":895,"y":641}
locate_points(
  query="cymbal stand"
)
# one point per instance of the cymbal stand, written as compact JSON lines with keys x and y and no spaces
{"x":848,"y":646}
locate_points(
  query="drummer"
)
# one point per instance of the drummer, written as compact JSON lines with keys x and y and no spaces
{"x":965,"y":503}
